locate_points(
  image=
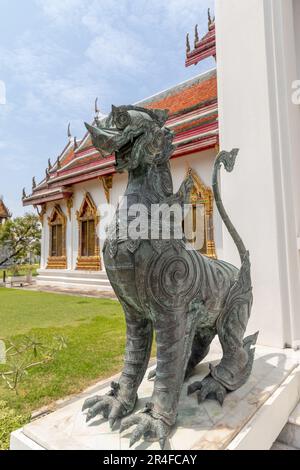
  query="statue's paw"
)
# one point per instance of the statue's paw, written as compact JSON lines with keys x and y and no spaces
{"x":146,"y":426}
{"x":208,"y":388}
{"x":108,"y":406}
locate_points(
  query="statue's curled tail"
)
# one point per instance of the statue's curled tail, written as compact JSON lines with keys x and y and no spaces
{"x":228,"y":160}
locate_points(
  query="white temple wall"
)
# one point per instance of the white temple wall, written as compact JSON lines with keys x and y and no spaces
{"x":257,"y":116}
{"x":295,"y":109}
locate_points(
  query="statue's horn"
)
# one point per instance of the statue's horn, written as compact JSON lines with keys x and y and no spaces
{"x":90,"y":128}
{"x":105,"y":140}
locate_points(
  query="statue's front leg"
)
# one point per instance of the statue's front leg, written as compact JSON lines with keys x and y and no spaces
{"x":121,"y":400}
{"x":174,"y":336}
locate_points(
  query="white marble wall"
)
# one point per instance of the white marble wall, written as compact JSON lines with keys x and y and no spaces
{"x":256,"y":63}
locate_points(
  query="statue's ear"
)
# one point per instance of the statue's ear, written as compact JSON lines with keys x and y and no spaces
{"x":113,"y":109}
{"x":161,"y":115}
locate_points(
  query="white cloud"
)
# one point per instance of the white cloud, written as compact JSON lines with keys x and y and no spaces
{"x":62,"y":11}
{"x":123,"y":41}
{"x":115,"y":48}
{"x":117,"y":28}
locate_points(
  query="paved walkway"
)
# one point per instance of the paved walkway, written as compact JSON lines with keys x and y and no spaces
{"x":68,"y":291}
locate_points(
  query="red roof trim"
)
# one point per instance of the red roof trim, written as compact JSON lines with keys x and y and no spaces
{"x":211,"y":52}
{"x":87,"y":176}
{"x":189,"y":148}
{"x":40,"y":199}
{"x":204,"y":48}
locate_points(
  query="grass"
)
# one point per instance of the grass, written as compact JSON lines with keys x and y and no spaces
{"x":95,"y":333}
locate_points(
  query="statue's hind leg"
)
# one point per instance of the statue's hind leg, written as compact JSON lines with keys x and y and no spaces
{"x":200,"y":348}
{"x":236,"y":364}
{"x":238,"y":356}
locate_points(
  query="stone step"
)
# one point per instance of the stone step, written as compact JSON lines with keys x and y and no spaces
{"x":250,"y":419}
{"x":79,"y":280}
{"x":72,"y":273}
{"x":290,"y":435}
{"x":73,"y":279}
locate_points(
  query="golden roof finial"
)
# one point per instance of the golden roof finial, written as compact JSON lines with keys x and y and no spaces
{"x":97,"y":111}
{"x":209,"y":17}
{"x":69,"y":132}
{"x":188,"y":47}
{"x":196,"y":40}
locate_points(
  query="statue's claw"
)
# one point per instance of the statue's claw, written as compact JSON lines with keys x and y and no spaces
{"x":208,"y":387}
{"x":128,"y":422}
{"x":100,"y":407}
{"x":152,"y":374}
{"x":146,"y":426}
{"x":108,"y":406}
{"x":193,"y":387}
{"x":89,"y":402}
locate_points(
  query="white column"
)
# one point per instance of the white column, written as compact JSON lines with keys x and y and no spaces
{"x":69,"y":238}
{"x":255,"y":61}
{"x":45,"y":240}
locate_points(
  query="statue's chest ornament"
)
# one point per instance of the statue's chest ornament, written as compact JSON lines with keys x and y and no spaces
{"x":172,"y":278}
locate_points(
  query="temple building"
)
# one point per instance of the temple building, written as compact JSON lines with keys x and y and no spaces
{"x":4,"y":212}
{"x":248,"y":101}
{"x":69,"y":196}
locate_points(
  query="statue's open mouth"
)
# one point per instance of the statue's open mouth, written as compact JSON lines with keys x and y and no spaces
{"x":111,"y":140}
{"x":123,"y":155}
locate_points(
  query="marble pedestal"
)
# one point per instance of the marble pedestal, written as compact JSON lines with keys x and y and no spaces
{"x":251,"y":418}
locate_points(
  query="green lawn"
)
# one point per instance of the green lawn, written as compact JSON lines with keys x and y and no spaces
{"x":95,"y":333}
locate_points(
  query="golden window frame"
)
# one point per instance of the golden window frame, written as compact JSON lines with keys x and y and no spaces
{"x":88,"y":263}
{"x":202,"y":194}
{"x":57,"y":262}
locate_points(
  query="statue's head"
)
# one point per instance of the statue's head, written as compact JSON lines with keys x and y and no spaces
{"x":136,"y":135}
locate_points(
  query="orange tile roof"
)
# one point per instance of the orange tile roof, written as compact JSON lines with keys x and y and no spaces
{"x":68,"y":157}
{"x":184,"y":99}
{"x":177,"y":99}
{"x":187,"y":97}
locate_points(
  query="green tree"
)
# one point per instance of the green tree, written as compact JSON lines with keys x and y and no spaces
{"x":19,"y":237}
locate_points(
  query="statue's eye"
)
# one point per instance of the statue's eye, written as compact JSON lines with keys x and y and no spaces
{"x":122,"y":120}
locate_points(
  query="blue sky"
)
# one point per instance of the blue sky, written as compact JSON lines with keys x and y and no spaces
{"x":56,"y":56}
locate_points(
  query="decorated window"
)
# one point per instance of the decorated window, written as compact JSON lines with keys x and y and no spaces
{"x":57,"y":239}
{"x":198,"y":224}
{"x":88,"y":250}
{"x":88,"y":237}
